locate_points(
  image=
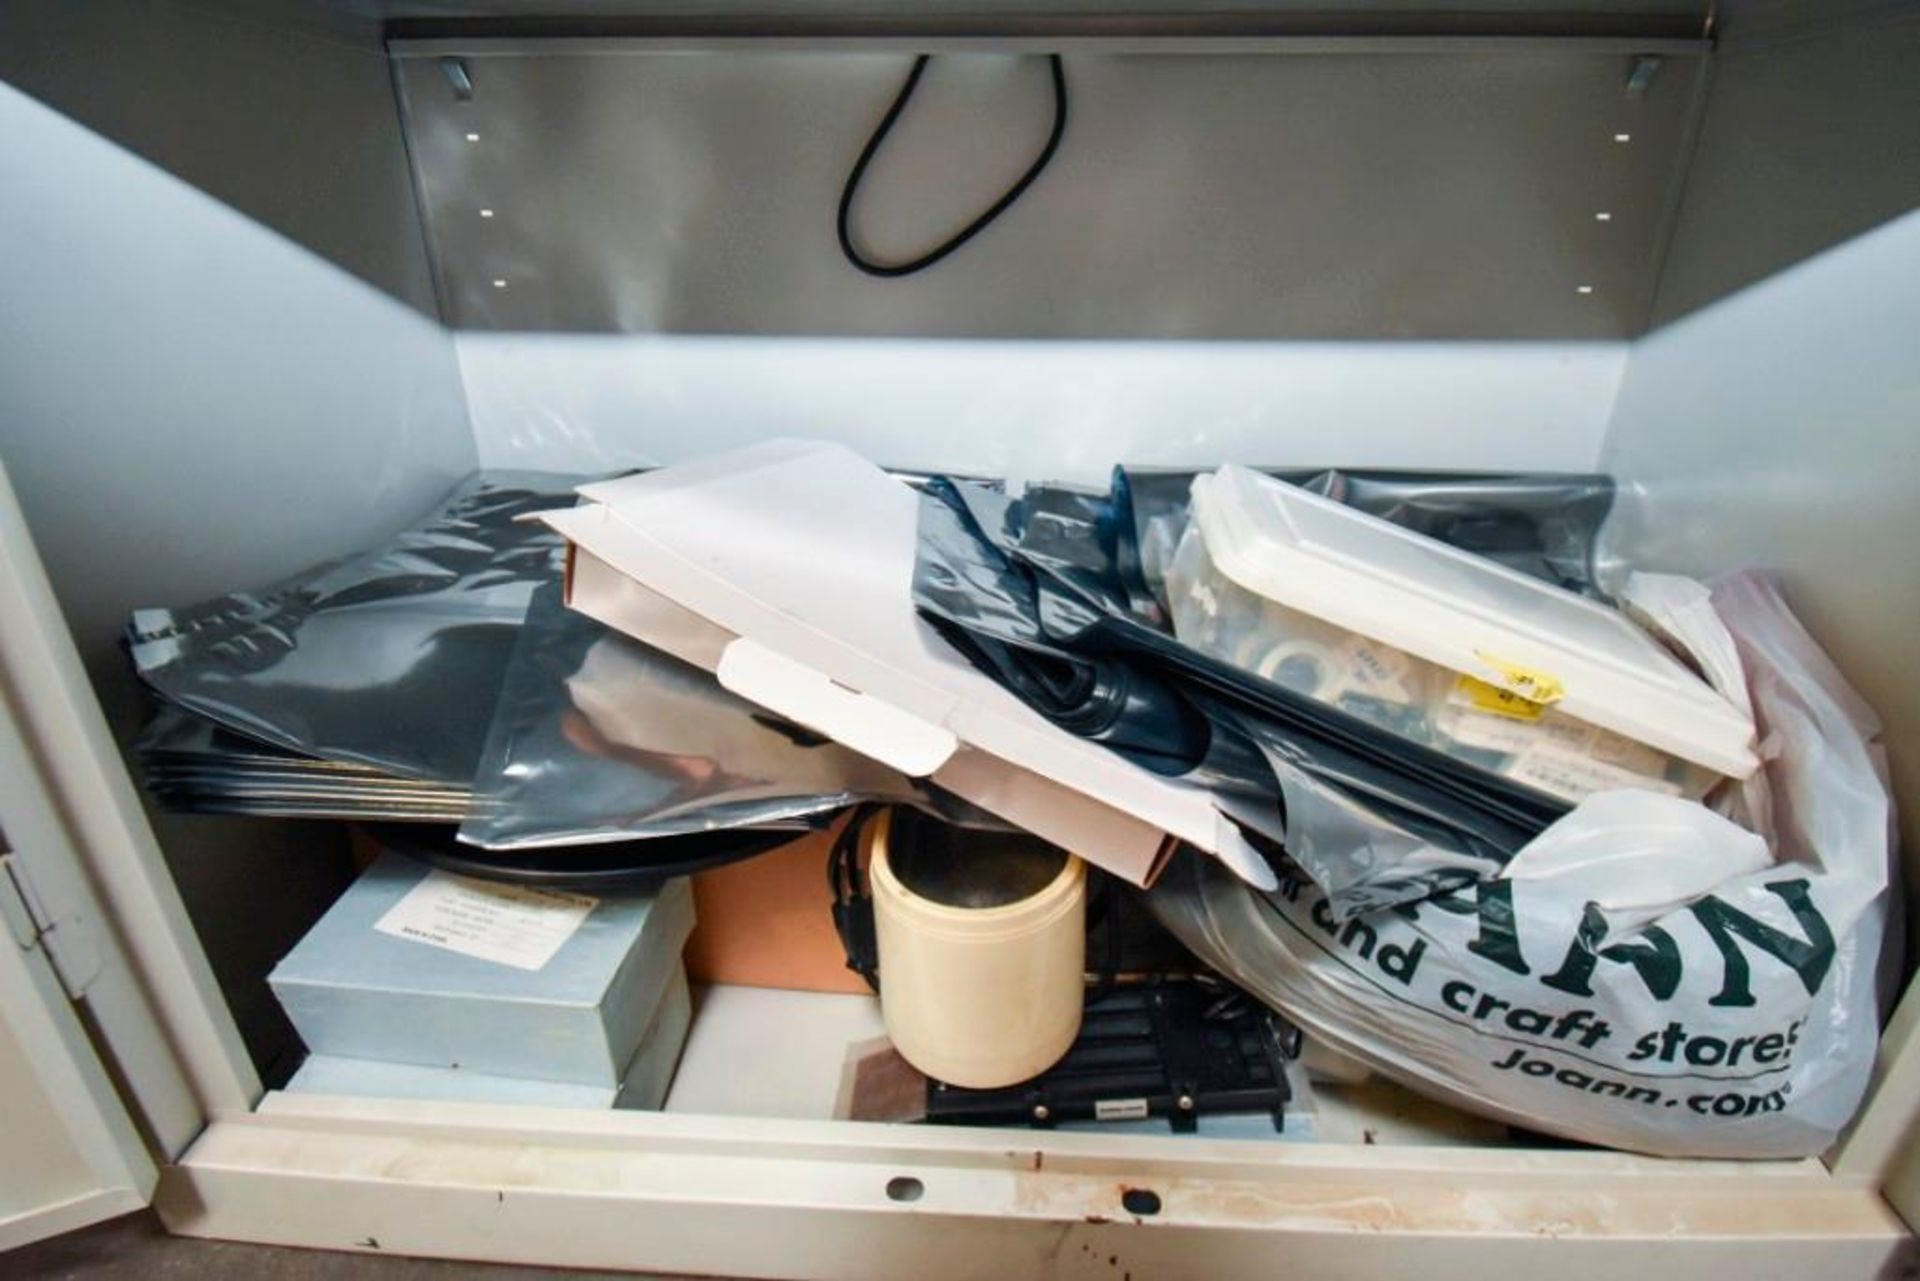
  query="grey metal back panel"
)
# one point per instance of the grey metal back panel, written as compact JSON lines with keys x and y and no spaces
{"x":1812,"y":137}
{"x":293,"y":127}
{"x":1311,"y":189}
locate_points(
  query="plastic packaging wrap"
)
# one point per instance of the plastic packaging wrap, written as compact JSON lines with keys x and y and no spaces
{"x":1544,"y":526}
{"x":1636,"y":856}
{"x":1729,"y":1015}
{"x":1406,"y":695}
{"x":1035,"y":584}
{"x":600,"y":738}
{"x":1680,"y":611}
{"x":970,"y":581}
{"x":195,"y":766}
{"x":391,"y":658}
{"x":441,"y":678}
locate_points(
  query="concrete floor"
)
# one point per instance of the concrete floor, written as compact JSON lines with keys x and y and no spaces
{"x":137,"y":1247}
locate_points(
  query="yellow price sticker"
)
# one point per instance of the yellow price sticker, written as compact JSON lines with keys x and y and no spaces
{"x":1529,"y":683}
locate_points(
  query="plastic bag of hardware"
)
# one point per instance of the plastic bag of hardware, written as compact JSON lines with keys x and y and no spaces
{"x":1032,"y":589}
{"x":1225,"y":605}
{"x":600,"y":738}
{"x":1738,"y":1018}
{"x":391,"y":658}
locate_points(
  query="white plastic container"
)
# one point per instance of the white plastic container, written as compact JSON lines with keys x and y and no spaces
{"x":982,"y":953}
{"x":1444,"y":647}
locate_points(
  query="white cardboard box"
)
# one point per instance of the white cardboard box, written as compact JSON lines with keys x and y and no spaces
{"x":787,"y":569}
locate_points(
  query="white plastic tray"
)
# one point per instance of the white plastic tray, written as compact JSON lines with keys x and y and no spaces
{"x":1466,"y":613}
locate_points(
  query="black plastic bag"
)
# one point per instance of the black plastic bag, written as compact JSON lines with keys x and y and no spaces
{"x":598,"y":737}
{"x":1050,"y":593}
{"x":391,"y":658}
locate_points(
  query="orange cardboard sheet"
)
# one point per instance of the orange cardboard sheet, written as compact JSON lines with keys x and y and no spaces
{"x":768,"y":922}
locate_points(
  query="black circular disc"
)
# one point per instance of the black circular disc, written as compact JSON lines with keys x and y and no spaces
{"x":617,"y":865}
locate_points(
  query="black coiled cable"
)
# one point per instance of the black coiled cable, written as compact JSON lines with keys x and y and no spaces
{"x":892,"y":270}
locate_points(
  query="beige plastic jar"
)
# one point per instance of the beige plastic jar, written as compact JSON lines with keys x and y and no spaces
{"x":982,"y":951}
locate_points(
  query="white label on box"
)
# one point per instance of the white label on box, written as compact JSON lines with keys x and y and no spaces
{"x":1489,"y":731}
{"x":515,"y":925}
{"x":1574,"y":776}
{"x":1120,"y":1110}
{"x":1637,"y":758}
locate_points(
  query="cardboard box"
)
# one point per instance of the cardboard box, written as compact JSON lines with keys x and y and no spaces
{"x":421,"y":967}
{"x":787,"y":569}
{"x":768,"y":922}
{"x":645,"y":1087}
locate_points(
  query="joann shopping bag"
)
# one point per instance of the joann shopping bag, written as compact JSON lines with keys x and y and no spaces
{"x":1739,"y":1020}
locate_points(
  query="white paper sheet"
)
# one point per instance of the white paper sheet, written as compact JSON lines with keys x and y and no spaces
{"x":518,"y":925}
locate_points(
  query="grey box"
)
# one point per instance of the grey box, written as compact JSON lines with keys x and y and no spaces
{"x":353,"y":991}
{"x":644,"y":1089}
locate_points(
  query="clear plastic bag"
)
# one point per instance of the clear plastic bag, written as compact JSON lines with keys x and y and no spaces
{"x":1542,"y":525}
{"x":1409,"y":696}
{"x":1720,"y":1010}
